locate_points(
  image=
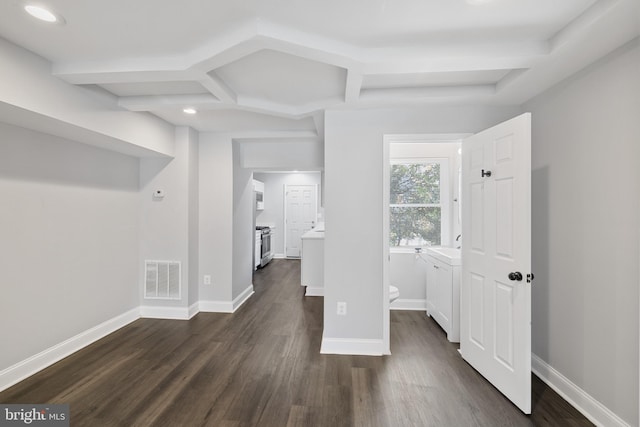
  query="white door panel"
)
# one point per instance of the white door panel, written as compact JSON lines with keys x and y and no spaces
{"x":300,"y":215}
{"x":496,"y":309}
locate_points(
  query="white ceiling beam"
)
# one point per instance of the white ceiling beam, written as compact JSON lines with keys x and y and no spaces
{"x":318,"y":120}
{"x":256,"y":105}
{"x":576,"y":28}
{"x":225,"y":43}
{"x":157,"y":102}
{"x":105,"y":76}
{"x":218,"y":88}
{"x":353,"y":86}
{"x":448,"y":65}
{"x":510,"y":79}
{"x":420,"y":61}
{"x":435,"y":92}
{"x":311,"y":108}
{"x":278,"y":136}
{"x":228,"y":55}
{"x":308,"y":45}
{"x":293,"y":44}
{"x":261,"y":105}
{"x":272,"y":134}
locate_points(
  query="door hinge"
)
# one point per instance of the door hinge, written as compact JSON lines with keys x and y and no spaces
{"x":530,"y":278}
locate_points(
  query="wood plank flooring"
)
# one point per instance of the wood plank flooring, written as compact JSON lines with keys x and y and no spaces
{"x":261,"y":366}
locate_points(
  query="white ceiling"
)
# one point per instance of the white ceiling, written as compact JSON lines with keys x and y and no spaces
{"x":283,"y":78}
{"x":271,"y":67}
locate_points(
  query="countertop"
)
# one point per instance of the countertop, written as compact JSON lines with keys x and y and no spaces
{"x":315,"y":233}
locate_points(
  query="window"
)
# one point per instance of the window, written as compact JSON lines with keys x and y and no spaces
{"x":416,"y":204}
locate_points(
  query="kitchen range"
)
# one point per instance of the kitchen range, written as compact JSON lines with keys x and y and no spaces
{"x":263,"y":251}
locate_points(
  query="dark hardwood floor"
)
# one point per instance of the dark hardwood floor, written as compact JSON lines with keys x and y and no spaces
{"x":262,"y":366}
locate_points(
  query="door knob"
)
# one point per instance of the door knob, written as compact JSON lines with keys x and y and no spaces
{"x":515,"y":276}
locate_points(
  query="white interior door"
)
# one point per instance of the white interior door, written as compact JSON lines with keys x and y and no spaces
{"x":495,"y":312}
{"x":300,"y":215}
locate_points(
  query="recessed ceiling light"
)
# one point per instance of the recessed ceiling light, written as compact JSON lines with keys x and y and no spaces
{"x":190,"y":110}
{"x":43,"y":14}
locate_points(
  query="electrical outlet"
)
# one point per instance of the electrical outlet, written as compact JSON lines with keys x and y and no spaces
{"x":207,"y":279}
{"x":342,"y":308}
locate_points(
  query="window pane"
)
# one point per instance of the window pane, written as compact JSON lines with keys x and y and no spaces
{"x":415,"y":226}
{"x":415,"y":183}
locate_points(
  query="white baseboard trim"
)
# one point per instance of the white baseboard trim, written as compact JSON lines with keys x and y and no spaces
{"x":358,"y":347}
{"x":226,"y":306}
{"x":243,"y":297}
{"x":170,"y":313}
{"x":194,"y":309}
{"x":21,"y":370}
{"x":595,"y":411}
{"x":279,"y":256}
{"x":212,"y":306}
{"x":314,"y":292}
{"x":409,"y":304}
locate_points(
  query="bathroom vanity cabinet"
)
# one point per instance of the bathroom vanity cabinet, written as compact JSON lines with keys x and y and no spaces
{"x":443,"y":291}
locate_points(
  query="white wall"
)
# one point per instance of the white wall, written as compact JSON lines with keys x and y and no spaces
{"x":408,"y":273}
{"x":281,"y":155}
{"x":216,"y":216}
{"x":243,"y":226}
{"x":166,"y":223}
{"x":273,"y":213}
{"x":69,"y":245}
{"x":353,"y":204}
{"x":586,"y":189}
{"x":194,"y":216}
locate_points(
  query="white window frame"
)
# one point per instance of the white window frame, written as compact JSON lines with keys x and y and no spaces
{"x":444,"y":204}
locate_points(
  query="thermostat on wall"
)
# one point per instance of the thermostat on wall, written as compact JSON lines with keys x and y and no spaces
{"x":158,"y":194}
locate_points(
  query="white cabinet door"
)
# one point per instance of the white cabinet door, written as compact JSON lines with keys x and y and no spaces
{"x":443,"y":296}
{"x":495,"y":310}
{"x":444,"y":284}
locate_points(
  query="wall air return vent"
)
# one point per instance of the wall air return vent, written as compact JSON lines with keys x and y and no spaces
{"x":162,"y":280}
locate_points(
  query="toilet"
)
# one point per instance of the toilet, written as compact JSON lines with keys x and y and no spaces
{"x":394,"y":293}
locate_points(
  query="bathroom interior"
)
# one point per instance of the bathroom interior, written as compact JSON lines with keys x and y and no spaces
{"x":423,"y":253}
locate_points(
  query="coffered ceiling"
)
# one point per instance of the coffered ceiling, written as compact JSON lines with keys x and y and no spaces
{"x":271,"y":67}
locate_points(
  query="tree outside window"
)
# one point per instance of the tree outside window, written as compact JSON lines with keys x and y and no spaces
{"x":415,"y":204}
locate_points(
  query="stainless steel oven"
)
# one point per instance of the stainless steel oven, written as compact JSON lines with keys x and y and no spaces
{"x":266,"y":252}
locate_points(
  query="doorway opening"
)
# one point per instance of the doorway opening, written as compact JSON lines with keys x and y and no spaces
{"x":494,"y":297}
{"x":273,"y":212}
{"x":421,"y":182}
